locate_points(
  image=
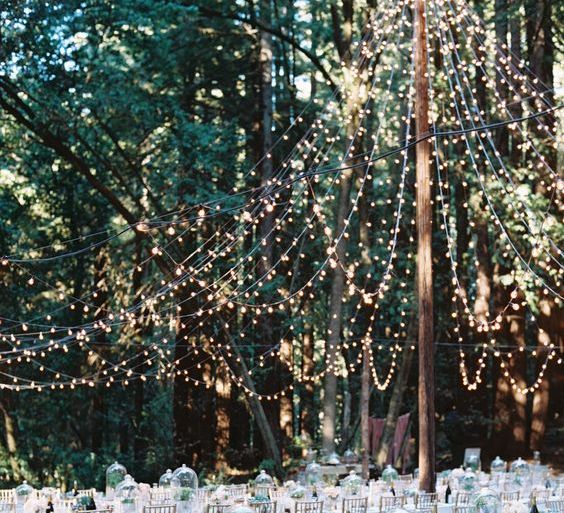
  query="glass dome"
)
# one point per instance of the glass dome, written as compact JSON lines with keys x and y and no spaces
{"x":520,"y":467}
{"x":263,"y":479}
{"x":126,"y":492}
{"x":390,"y":474}
{"x":23,"y":491}
{"x":165,"y":481}
{"x":352,"y":484}
{"x":333,"y":459}
{"x":185,"y":481}
{"x":313,"y":473}
{"x":115,"y":474}
{"x":349,"y":457}
{"x":486,"y":501}
{"x":468,"y":481}
{"x":498,"y":466}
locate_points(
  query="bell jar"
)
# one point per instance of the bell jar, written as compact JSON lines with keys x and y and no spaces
{"x":498,"y":466}
{"x":23,"y":492}
{"x":333,"y":459}
{"x":263,"y":479}
{"x":313,"y":473}
{"x":390,"y":474}
{"x":115,"y":474}
{"x":468,"y":481}
{"x":352,"y":484}
{"x":165,"y":481}
{"x":520,"y":467}
{"x":349,"y":457}
{"x":126,"y":492}
{"x":486,"y":501}
{"x":185,"y":483}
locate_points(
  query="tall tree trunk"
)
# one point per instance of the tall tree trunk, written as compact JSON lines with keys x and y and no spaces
{"x":222,"y":417}
{"x":307,"y":414}
{"x":343,"y":38}
{"x":10,"y":434}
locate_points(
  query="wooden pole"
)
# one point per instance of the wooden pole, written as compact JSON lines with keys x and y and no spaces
{"x":426,"y":397}
{"x":364,"y":414}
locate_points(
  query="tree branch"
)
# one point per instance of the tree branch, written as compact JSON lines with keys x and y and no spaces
{"x":211,"y":13}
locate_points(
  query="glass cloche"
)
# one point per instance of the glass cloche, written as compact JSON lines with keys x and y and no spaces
{"x":468,"y":481}
{"x":498,"y":466}
{"x":185,"y":481}
{"x":165,"y":481}
{"x":115,"y":474}
{"x":313,"y":473}
{"x":486,"y":501}
{"x":349,"y":457}
{"x":333,"y":459}
{"x":352,"y":484}
{"x":23,"y":492}
{"x":126,"y":492}
{"x":520,"y":467}
{"x":390,"y":474}
{"x":263,"y":479}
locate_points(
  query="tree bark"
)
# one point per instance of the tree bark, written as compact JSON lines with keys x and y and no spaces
{"x":10,"y":434}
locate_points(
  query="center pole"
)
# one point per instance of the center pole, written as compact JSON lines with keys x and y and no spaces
{"x":426,"y":394}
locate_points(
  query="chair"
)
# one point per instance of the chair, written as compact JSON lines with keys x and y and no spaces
{"x":264,"y":507}
{"x":462,"y":498}
{"x":462,"y":509}
{"x":355,"y":505}
{"x":235,"y":491}
{"x":509,"y":496}
{"x":217,"y":508}
{"x":158,"y":496}
{"x":7,"y":495}
{"x":160,"y":508}
{"x":407,"y":478}
{"x":203,"y":495}
{"x":308,"y":507}
{"x":277,"y":493}
{"x":90,"y":492}
{"x":555,"y":505}
{"x":388,"y":502}
{"x":7,"y":507}
{"x":425,"y":500}
{"x":541,"y":495}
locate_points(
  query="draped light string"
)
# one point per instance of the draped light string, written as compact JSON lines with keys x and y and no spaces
{"x":462,"y":67}
{"x":472,"y":385}
{"x":481,"y":324}
{"x":264,"y":201}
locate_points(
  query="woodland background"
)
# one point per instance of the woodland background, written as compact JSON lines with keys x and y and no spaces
{"x":130,"y":108}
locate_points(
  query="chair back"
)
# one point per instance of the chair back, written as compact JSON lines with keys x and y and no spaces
{"x":7,"y":495}
{"x":217,"y":508}
{"x":555,"y":506}
{"x":424,"y":500}
{"x":158,"y":496}
{"x":264,"y":507}
{"x":355,"y":505}
{"x":463,"y":509}
{"x":308,"y":507}
{"x":277,"y":493}
{"x":160,"y":508}
{"x":462,"y":498}
{"x":388,"y":502}
{"x":89,"y":492}
{"x":7,"y":507}
{"x":510,"y":496}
